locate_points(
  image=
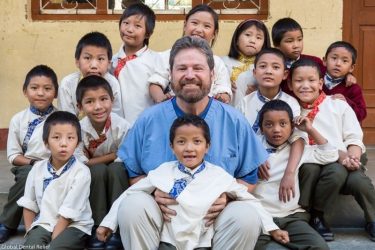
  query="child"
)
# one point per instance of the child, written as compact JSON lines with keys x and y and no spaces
{"x":201,"y":21}
{"x":269,"y":72}
{"x":195,"y":184}
{"x":102,"y":132}
{"x":25,"y":145}
{"x":276,"y":119}
{"x":135,"y":61}
{"x":57,"y":212}
{"x":248,"y":39}
{"x":340,"y":61}
{"x":92,"y":56}
{"x":337,"y":122}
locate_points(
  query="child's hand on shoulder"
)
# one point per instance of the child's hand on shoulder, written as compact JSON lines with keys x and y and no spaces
{"x":103,"y":233}
{"x":223,"y":97}
{"x":303,"y":123}
{"x":339,"y":97}
{"x":350,"y":80}
{"x":251,"y":88}
{"x":281,"y":236}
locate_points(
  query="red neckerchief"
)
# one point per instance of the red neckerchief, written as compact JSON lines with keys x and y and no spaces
{"x":121,"y":63}
{"x":95,"y":143}
{"x":314,"y":111}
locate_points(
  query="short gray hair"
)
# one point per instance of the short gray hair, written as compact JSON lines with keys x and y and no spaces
{"x":188,"y":42}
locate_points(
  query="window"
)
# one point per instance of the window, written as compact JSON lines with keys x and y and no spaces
{"x":165,"y":9}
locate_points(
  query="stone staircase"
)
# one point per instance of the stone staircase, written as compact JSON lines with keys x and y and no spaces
{"x":346,"y":218}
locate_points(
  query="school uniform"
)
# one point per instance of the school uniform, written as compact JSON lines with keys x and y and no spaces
{"x":50,"y":194}
{"x":241,"y":75}
{"x":67,"y":101}
{"x":337,"y":122}
{"x":24,"y":138}
{"x":353,"y":94}
{"x":134,"y":88}
{"x":220,"y":82}
{"x":253,"y":103}
{"x":107,"y":181}
{"x":290,"y":216}
{"x":195,"y":191}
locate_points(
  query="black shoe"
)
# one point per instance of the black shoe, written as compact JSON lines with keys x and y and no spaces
{"x":321,"y":227}
{"x":114,"y":243}
{"x":370,"y":229}
{"x":5,"y":233}
{"x":95,"y":244}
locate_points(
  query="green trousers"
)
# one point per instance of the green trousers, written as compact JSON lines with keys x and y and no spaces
{"x":108,"y":182}
{"x":12,"y":213}
{"x":71,"y":238}
{"x":321,"y":185}
{"x":301,"y":235}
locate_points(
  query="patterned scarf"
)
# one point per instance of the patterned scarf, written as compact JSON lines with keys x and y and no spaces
{"x":180,"y":184}
{"x":121,"y":63}
{"x":237,"y":70}
{"x":32,"y":125}
{"x":67,"y":166}
{"x":314,"y":110}
{"x":95,"y":143}
{"x":331,"y":82}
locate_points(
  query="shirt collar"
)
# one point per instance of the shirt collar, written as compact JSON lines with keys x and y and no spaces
{"x":180,"y":112}
{"x":122,"y":53}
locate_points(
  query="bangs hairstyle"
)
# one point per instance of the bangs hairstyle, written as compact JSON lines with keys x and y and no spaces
{"x":345,"y":45}
{"x":208,"y":9}
{"x":144,"y":11}
{"x":273,"y":51}
{"x":92,"y":82}
{"x":96,"y":39}
{"x":304,"y":62}
{"x":193,"y":120}
{"x":41,"y":70}
{"x":234,"y":51}
{"x":275,"y":105}
{"x":281,"y":27}
{"x":188,"y":42}
{"x":61,"y":117}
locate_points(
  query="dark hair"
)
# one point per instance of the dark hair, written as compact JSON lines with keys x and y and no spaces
{"x":234,"y":51}
{"x":41,"y":70}
{"x":205,"y":8}
{"x":92,"y":82}
{"x":61,"y":117}
{"x":190,"y":119}
{"x":273,"y":51}
{"x":188,"y":42}
{"x":96,"y":39}
{"x":144,"y":11}
{"x":281,"y":27}
{"x":343,"y":44}
{"x":275,"y":105}
{"x":304,"y":62}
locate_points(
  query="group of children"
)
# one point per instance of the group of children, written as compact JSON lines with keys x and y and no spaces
{"x":306,"y":111}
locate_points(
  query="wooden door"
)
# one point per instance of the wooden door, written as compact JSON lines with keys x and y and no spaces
{"x":359,"y":30}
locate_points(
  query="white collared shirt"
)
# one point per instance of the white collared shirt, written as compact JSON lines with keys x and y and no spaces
{"x":118,"y":130}
{"x":17,"y":131}
{"x":66,"y":196}
{"x":67,"y":101}
{"x":187,"y":230}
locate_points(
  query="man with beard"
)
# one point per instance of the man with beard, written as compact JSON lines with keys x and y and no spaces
{"x":234,"y":147}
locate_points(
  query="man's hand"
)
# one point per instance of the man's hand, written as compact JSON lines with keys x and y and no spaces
{"x":103,"y":233}
{"x":263,"y":171}
{"x":286,"y":189}
{"x":216,"y":209}
{"x":163,"y":199}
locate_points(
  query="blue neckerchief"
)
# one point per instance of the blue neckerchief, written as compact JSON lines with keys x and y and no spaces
{"x":180,"y":184}
{"x":180,"y":113}
{"x":289,"y":63}
{"x":263,"y":99}
{"x":67,"y":166}
{"x":332,"y":82}
{"x":271,"y":150}
{"x":32,"y":125}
